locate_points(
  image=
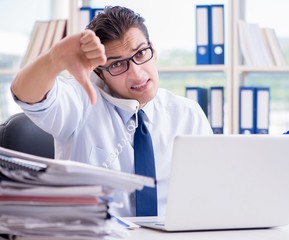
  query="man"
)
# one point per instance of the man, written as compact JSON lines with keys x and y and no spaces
{"x":95,"y":126}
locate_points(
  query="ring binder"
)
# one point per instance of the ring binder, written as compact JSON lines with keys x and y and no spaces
{"x":203,"y":31}
{"x":254,"y":108}
{"x":216,"y":106}
{"x":217,"y":34}
{"x":200,"y":95}
{"x":11,"y":163}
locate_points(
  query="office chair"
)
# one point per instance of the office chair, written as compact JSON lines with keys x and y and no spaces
{"x":19,"y":133}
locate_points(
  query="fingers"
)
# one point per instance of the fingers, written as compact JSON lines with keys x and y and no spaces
{"x":92,"y":48}
{"x":80,"y":54}
{"x":86,"y":36}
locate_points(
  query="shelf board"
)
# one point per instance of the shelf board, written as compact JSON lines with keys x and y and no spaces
{"x":196,"y":68}
{"x":273,"y":69}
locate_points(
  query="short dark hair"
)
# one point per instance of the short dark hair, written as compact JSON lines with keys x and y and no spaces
{"x":114,"y":22}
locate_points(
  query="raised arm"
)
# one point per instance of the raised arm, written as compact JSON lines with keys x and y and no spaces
{"x":79,"y":54}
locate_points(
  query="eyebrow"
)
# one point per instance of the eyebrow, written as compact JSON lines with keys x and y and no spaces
{"x":134,"y":49}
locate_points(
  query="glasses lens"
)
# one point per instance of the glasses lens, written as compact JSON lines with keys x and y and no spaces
{"x":143,"y":56}
{"x":118,"y":67}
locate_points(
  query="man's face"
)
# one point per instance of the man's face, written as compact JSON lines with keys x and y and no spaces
{"x":139,"y":82}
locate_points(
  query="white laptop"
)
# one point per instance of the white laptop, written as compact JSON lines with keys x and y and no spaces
{"x":226,"y":182}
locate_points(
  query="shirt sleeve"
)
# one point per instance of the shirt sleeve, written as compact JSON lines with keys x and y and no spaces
{"x":63,"y":109}
{"x":40,"y":106}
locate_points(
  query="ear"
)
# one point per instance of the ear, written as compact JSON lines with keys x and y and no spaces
{"x":155,"y":52}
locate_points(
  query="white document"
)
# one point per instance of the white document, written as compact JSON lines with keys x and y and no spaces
{"x":71,"y":173}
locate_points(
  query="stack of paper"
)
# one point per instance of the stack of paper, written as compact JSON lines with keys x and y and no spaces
{"x":60,"y":198}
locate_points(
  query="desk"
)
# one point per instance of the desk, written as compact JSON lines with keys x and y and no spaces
{"x":260,"y":234}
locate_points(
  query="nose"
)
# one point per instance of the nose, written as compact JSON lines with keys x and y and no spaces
{"x":135,"y":71}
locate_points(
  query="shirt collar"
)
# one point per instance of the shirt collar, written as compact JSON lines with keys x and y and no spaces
{"x":148,"y":109}
{"x":126,"y":116}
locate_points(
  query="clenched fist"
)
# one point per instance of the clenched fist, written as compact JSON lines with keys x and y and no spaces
{"x":80,"y":54}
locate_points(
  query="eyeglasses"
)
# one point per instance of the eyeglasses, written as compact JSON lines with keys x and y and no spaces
{"x":118,"y":67}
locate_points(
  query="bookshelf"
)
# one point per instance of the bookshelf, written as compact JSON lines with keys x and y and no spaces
{"x":224,"y":69}
{"x":241,"y":72}
{"x":234,"y":71}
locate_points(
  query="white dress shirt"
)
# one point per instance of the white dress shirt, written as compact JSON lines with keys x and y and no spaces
{"x":102,"y":134}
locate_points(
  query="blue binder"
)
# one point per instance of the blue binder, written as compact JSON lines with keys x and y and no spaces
{"x":217,"y":34}
{"x":247,"y":109}
{"x":200,"y":95}
{"x":254,"y":110}
{"x":262,"y":110}
{"x":216,"y":113}
{"x":203,"y":31}
{"x":94,"y":12}
{"x":86,"y":14}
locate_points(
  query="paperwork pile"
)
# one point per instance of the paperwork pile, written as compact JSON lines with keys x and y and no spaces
{"x":60,"y":198}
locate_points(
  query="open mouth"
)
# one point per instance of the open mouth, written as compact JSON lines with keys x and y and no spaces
{"x":139,"y":86}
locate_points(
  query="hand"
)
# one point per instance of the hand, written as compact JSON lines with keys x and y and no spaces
{"x":80,"y":54}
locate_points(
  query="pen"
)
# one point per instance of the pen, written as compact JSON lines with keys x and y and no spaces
{"x":125,"y":223}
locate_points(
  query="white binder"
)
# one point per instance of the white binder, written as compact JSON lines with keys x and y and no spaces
{"x":217,"y":109}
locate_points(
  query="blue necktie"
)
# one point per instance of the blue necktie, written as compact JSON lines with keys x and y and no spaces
{"x":146,"y":199}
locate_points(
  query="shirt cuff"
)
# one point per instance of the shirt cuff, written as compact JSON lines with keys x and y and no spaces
{"x":40,"y":106}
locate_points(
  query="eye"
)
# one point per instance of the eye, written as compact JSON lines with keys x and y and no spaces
{"x":117,"y":64}
{"x":140,"y":54}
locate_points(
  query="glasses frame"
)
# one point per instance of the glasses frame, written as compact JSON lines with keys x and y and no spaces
{"x":128,"y":61}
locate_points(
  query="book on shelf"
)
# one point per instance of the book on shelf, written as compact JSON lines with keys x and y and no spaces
{"x":36,"y":40}
{"x":275,"y":47}
{"x":44,"y":35}
{"x":259,"y":46}
{"x":47,"y":42}
{"x":72,"y":198}
{"x":60,"y":31}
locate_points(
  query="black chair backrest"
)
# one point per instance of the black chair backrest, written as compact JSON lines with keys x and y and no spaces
{"x":19,"y":133}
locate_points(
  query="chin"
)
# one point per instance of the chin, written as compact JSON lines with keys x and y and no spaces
{"x":149,"y":97}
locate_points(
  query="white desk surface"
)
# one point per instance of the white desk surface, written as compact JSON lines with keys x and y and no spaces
{"x":259,"y":234}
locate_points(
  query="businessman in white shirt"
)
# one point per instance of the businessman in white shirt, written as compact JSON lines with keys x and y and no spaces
{"x":93,"y":121}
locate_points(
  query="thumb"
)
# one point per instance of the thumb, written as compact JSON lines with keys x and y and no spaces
{"x":90,"y":91}
{"x":85,"y":82}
